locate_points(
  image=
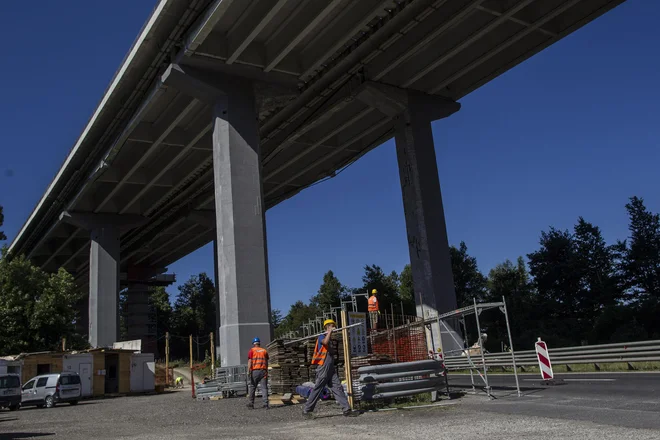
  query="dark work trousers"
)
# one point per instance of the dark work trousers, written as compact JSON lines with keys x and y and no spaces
{"x":256,"y":377}
{"x":326,"y":375}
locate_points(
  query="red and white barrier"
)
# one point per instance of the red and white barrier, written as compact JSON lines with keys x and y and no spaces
{"x":544,"y":360}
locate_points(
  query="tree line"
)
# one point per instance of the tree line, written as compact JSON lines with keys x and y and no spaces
{"x":573,"y":289}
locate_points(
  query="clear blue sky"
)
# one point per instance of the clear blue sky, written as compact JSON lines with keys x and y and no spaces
{"x":572,"y":131}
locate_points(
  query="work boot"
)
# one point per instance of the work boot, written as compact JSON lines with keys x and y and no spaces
{"x":351,"y":413}
{"x":266,"y":406}
{"x":308,"y":415}
{"x":250,"y":405}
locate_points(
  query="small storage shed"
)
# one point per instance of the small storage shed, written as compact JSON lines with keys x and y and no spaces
{"x":35,"y":364}
{"x":83,"y":364}
{"x":112,"y":371}
{"x":143,"y":372}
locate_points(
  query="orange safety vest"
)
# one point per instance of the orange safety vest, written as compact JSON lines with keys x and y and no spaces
{"x":320,"y":352}
{"x":373,"y":304}
{"x":259,"y":357}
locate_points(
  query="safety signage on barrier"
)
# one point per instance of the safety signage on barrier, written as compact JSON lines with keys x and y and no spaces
{"x":544,"y":360}
{"x":358,"y":334}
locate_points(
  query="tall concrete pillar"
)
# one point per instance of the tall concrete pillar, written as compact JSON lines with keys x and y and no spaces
{"x":216,"y":283}
{"x":425,"y":219}
{"x":140,"y":318}
{"x":242,"y":279}
{"x":243,"y":295}
{"x":105,"y":231}
{"x":104,"y":286}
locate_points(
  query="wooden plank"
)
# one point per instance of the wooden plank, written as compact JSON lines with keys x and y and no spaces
{"x":347,"y":361}
{"x":98,"y":364}
{"x":124,"y":373}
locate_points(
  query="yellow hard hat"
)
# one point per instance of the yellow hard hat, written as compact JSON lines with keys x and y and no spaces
{"x":329,"y":321}
{"x":374,"y":291}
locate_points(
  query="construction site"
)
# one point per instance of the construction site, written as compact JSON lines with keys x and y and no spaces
{"x":380,"y":357}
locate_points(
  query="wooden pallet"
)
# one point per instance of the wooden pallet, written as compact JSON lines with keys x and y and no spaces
{"x":285,"y":399}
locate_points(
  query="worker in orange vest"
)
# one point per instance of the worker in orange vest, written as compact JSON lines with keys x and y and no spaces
{"x":257,"y":372}
{"x":373,"y":309}
{"x":325,"y":355}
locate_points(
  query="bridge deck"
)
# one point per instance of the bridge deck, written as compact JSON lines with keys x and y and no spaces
{"x":147,"y":149}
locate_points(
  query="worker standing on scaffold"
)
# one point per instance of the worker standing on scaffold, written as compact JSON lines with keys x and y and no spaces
{"x":325,"y":354}
{"x":374,"y":311}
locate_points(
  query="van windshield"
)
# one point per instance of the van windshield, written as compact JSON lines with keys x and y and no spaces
{"x":69,"y":380}
{"x":9,"y":382}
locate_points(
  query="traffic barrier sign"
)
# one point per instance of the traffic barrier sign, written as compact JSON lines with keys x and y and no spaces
{"x":544,"y":360}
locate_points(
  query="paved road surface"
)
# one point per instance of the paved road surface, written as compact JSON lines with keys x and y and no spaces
{"x":559,"y":413}
{"x":620,"y":399}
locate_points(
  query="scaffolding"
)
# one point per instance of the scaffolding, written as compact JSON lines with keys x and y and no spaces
{"x":476,"y":309}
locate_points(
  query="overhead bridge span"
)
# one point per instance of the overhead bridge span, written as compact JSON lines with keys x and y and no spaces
{"x":222,"y":109}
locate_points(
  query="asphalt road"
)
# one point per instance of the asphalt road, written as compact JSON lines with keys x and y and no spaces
{"x":557,"y":413}
{"x":618,"y":399}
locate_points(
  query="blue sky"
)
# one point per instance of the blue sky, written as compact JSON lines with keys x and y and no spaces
{"x":571,"y":132}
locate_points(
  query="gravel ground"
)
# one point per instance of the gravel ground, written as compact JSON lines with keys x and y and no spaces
{"x":175,"y":415}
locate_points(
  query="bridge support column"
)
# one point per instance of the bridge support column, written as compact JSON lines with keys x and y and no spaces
{"x":425,"y":219}
{"x":105,"y":230}
{"x":104,"y":287}
{"x":242,"y":279}
{"x":140,"y":322}
{"x":243,"y":291}
{"x":216,"y":282}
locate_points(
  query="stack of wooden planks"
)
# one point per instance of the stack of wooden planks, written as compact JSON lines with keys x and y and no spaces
{"x":288,"y":366}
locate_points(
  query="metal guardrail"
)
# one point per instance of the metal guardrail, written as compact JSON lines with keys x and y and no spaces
{"x":402,"y":379}
{"x":627,"y":352}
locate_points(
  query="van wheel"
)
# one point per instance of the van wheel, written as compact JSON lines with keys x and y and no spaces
{"x":75,"y":402}
{"x":50,"y":402}
{"x":14,"y":407}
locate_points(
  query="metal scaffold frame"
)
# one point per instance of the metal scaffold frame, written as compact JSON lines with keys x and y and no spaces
{"x":476,"y":310}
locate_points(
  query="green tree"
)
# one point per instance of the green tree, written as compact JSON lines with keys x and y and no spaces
{"x":601,"y":287}
{"x":330,"y":293}
{"x":299,"y":314}
{"x":407,"y":290}
{"x":36,"y":309}
{"x":160,"y":300}
{"x":641,"y":253}
{"x":2,"y":221}
{"x":276,"y":318}
{"x":575,"y":275}
{"x":511,"y":281}
{"x":469,"y":282}
{"x":557,"y":273}
{"x":54,"y":313}
{"x":194,"y":308}
{"x":386,"y":285}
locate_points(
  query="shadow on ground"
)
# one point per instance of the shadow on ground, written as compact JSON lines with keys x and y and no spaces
{"x":22,"y":435}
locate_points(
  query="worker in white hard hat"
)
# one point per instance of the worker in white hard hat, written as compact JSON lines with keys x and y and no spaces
{"x":325,"y":354}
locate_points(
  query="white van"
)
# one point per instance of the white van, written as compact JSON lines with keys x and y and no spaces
{"x":10,"y":391}
{"x":50,"y":389}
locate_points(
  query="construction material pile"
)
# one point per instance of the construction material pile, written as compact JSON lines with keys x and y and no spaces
{"x":281,"y":355}
{"x":290,"y":365}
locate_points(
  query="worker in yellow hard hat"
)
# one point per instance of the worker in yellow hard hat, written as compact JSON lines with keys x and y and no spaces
{"x":374,"y":310}
{"x":325,"y":356}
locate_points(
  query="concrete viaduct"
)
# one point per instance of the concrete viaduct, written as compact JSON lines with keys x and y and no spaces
{"x":225,"y":108}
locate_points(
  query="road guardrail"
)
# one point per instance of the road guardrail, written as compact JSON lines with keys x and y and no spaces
{"x":626,"y":352}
